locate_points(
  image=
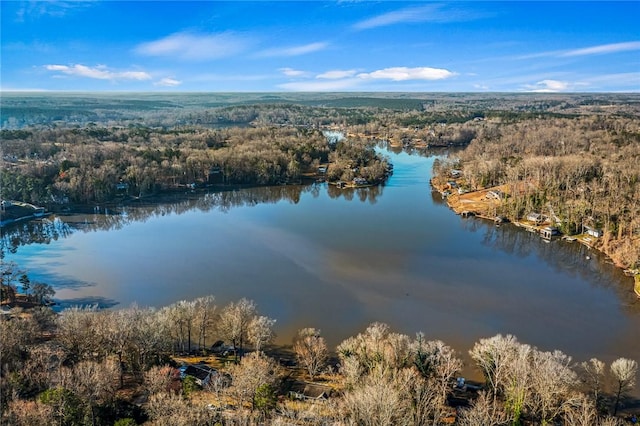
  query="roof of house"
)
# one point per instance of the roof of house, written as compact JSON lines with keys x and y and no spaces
{"x":311,"y":390}
{"x":199,"y":371}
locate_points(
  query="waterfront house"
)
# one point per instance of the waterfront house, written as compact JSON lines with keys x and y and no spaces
{"x":536,"y":218}
{"x":549,"y":231}
{"x":594,"y":232}
{"x":359,"y":181}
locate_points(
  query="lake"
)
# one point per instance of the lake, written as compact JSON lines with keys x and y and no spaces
{"x":337,"y":260}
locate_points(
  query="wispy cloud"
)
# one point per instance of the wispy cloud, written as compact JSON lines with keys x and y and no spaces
{"x":195,"y":47}
{"x":604,"y":49}
{"x":601,"y":49}
{"x":404,"y":73}
{"x":294,"y":50}
{"x":336,"y":74}
{"x":168,"y":82}
{"x":56,"y":9}
{"x":436,"y":13}
{"x":290,"y":72}
{"x":100,"y":72}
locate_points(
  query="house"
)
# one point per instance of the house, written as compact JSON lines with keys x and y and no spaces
{"x":455,"y":173}
{"x":201,"y":372}
{"x":549,"y":231}
{"x":359,"y":181}
{"x":594,"y":232}
{"x":495,"y":195}
{"x":536,"y":218}
{"x":310,"y":391}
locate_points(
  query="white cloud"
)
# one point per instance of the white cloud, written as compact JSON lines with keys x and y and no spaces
{"x":195,"y":47}
{"x":100,"y":72}
{"x":290,"y":72}
{"x":294,"y":50}
{"x":404,"y":73}
{"x":604,"y":48}
{"x":168,"y":82}
{"x":336,"y":74}
{"x":429,"y":13}
{"x":336,"y":80}
{"x":547,"y":86}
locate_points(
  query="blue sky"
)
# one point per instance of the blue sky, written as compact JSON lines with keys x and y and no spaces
{"x":462,"y":46}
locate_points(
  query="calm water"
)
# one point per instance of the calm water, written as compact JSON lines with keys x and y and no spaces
{"x":338,"y":260}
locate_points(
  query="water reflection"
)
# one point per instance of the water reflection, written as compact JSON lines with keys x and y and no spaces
{"x":39,"y":232}
{"x":44,"y":231}
{"x":572,"y":259}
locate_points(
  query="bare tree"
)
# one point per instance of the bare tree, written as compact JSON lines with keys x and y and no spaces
{"x":377,"y":347}
{"x":580,"y":411}
{"x":493,"y":356}
{"x":233,"y":324}
{"x":484,"y":411}
{"x":94,"y":383}
{"x":378,"y":400}
{"x":205,"y":312}
{"x":169,"y":409}
{"x":624,"y":373}
{"x":593,"y":374}
{"x":551,"y":383}
{"x":158,"y":378}
{"x":27,"y":413}
{"x":260,"y":331}
{"x":437,"y":362}
{"x":253,"y":371}
{"x":76,"y":331}
{"x":311,"y":351}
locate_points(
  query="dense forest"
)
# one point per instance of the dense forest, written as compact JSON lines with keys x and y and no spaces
{"x":159,"y":367}
{"x":97,"y":164}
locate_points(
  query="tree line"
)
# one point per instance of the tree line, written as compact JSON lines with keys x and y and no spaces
{"x":87,"y":366}
{"x":99,"y":164}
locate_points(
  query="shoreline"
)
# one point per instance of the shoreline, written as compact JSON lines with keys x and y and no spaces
{"x":479,"y":198}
